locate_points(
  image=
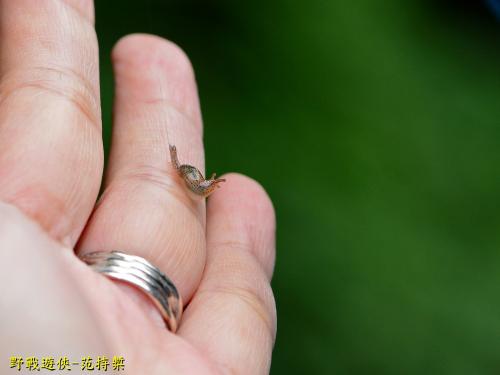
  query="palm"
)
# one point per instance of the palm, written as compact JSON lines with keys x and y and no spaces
{"x":154,"y":350}
{"x":220,"y":256}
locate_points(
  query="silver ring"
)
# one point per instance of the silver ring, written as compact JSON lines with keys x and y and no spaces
{"x":139,"y":272}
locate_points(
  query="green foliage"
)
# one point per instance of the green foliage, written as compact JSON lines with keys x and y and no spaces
{"x":375,"y":128}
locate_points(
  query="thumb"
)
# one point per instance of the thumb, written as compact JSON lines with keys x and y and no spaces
{"x":42,"y":311}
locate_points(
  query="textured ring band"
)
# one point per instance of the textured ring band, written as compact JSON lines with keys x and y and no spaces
{"x":142,"y":274}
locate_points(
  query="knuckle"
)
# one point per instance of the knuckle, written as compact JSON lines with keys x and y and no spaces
{"x":262,"y":304}
{"x":42,"y":31}
{"x":249,"y":286}
{"x":145,"y":173}
{"x":164,"y":179}
{"x":57,"y":81}
{"x":254,"y":306}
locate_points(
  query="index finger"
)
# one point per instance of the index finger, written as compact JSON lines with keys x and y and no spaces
{"x":50,"y":125}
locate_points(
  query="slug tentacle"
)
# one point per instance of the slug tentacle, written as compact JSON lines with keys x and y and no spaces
{"x":173,"y":156}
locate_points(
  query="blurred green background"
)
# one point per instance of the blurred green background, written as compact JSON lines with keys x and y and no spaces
{"x":375,"y":128}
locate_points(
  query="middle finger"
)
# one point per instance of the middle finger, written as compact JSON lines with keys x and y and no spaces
{"x":145,"y":209}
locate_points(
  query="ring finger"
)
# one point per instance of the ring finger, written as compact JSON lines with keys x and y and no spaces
{"x":145,"y":209}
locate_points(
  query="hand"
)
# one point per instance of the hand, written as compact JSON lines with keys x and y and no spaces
{"x":51,"y":159}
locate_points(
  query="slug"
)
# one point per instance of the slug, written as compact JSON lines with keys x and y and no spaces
{"x":193,"y":178}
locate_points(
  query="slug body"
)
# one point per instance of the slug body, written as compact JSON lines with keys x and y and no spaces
{"x":193,"y":178}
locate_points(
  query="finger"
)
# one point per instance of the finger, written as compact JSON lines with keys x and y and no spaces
{"x":145,"y":209}
{"x":50,"y":127}
{"x":232,"y":315}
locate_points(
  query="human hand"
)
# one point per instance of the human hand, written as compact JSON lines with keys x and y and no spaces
{"x":51,"y":159}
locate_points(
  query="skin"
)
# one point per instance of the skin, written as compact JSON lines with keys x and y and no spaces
{"x":219,"y":252}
